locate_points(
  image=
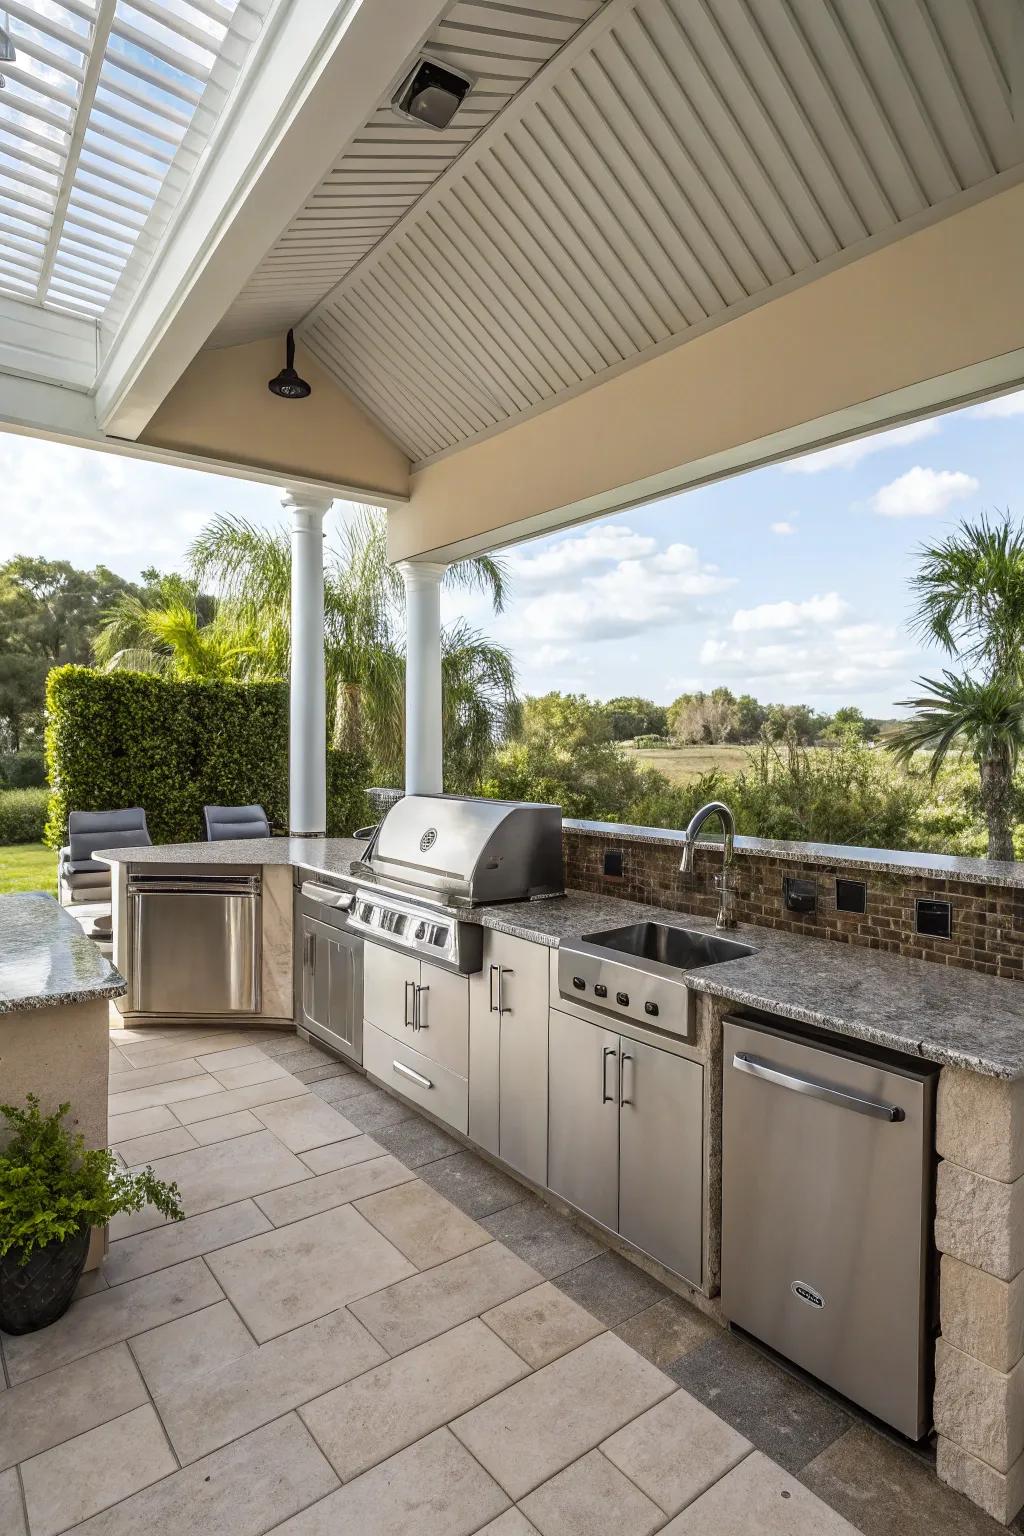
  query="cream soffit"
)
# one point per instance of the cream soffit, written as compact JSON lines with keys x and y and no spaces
{"x":677,"y":161}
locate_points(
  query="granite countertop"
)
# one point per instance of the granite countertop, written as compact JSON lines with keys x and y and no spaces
{"x":933,"y":866}
{"x":46,"y":961}
{"x":951,"y":1016}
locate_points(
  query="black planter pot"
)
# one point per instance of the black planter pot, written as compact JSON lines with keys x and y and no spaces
{"x":36,"y":1293}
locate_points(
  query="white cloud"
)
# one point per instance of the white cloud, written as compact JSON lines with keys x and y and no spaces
{"x":783,"y":528}
{"x":846,"y":455}
{"x":1003,"y":405}
{"x":828,"y":609}
{"x":923,"y":492}
{"x":581,"y":554}
{"x":845,"y":660}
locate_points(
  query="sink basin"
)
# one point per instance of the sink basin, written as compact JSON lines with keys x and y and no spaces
{"x":681,"y":948}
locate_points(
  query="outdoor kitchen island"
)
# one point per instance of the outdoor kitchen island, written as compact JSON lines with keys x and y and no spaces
{"x":968,"y":1024}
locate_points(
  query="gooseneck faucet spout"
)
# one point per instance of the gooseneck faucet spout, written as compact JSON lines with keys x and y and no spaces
{"x":726,"y":895}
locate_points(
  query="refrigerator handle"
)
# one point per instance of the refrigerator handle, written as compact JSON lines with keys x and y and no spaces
{"x":806,"y":1085}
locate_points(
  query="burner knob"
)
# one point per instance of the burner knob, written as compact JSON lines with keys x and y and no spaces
{"x":600,"y":990}
{"x":652,"y":1009}
{"x":579,"y":984}
{"x":622,"y":998}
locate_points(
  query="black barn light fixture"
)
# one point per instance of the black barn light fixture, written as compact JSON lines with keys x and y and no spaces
{"x":287,"y":383}
{"x":432,"y":93}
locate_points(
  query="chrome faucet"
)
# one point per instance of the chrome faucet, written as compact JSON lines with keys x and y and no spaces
{"x":726,"y":894}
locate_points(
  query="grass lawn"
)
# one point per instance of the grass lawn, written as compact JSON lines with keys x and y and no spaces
{"x":679,"y":764}
{"x":28,"y":867}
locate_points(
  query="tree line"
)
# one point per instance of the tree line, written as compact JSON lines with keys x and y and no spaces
{"x":719,"y":717}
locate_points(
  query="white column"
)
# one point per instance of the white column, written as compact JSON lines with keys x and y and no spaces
{"x":307,"y":739}
{"x":423,"y":773}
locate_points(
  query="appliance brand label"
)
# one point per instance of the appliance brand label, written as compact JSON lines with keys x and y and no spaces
{"x":807,"y":1293}
{"x":428,"y":839}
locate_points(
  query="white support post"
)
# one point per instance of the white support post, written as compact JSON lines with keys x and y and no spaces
{"x":307,"y":740}
{"x":423,"y":772}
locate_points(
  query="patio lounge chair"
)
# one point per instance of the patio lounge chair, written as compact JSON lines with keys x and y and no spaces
{"x":80,"y":877}
{"x":227,"y":821}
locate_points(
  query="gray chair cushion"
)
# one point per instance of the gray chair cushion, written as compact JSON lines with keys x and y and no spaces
{"x":229,"y":821}
{"x":89,"y":830}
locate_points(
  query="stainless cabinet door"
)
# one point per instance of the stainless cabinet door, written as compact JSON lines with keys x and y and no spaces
{"x":521,"y":987}
{"x":389,"y":980}
{"x":195,"y":952}
{"x":484,"y":1055}
{"x":661,"y":1155}
{"x":583,"y":1116}
{"x":331,"y":995}
{"x":442,"y":1018}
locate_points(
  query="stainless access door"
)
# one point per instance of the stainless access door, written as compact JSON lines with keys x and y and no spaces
{"x":195,"y":945}
{"x":661,"y":1160}
{"x":583,"y":1116}
{"x":328,"y":969}
{"x":826,"y":1205}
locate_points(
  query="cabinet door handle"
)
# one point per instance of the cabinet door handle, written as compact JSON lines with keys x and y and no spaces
{"x":503,"y":971}
{"x":606,"y":1097}
{"x":410,"y":1022}
{"x":495,"y":1006}
{"x":622,"y":1078}
{"x":414,"y":1077}
{"x":418,"y":1023}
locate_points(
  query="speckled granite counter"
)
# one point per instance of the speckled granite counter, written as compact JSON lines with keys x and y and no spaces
{"x":946,"y":1015}
{"x":46,"y":961}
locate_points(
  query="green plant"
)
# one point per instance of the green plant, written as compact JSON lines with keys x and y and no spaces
{"x":23,"y":770}
{"x":52,"y":1185}
{"x":348,"y":805}
{"x":22,"y":815}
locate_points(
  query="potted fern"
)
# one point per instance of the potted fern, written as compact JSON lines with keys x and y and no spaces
{"x":53,"y":1191}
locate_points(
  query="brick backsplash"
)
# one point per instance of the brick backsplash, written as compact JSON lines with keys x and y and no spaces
{"x":988,"y":920}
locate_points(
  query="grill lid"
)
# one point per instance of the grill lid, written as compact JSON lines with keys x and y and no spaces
{"x":470,"y":851}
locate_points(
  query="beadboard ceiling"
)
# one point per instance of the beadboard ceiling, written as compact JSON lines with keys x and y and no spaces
{"x":677,"y":159}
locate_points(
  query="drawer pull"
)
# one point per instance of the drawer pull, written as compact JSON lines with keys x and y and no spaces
{"x":415,"y":1077}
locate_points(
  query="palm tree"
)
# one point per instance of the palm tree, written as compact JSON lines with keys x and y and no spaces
{"x":970,"y":590}
{"x":363,"y":613}
{"x":162,"y":631}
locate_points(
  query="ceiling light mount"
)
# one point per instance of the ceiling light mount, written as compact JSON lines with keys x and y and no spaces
{"x":432,"y":93}
{"x":287,"y":383}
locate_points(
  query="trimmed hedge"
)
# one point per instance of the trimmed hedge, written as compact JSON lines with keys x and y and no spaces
{"x":348,"y":805}
{"x":118,"y":739}
{"x":22,"y":815}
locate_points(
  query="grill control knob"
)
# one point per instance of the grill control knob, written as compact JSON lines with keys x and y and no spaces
{"x":579,"y":984}
{"x":652,"y":1009}
{"x":622,"y":998}
{"x":600,"y":990}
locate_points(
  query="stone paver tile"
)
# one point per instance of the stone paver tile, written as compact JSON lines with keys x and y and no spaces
{"x":145,"y":1077}
{"x":67,"y":1484}
{"x":542,"y":1324}
{"x":781,"y":1414}
{"x":887,"y":1490}
{"x":152,"y":1053}
{"x":591,"y":1498}
{"x":550,"y":1242}
{"x":473,"y":1185}
{"x":262,"y":1071}
{"x":676,"y":1450}
{"x":307,"y":1269}
{"x":92,"y":1280}
{"x":371,"y":1110}
{"x":110,"y":1316}
{"x":67,"y":1402}
{"x":283,"y":1043}
{"x":667,"y":1331}
{"x":342,"y":1154}
{"x":417,"y":1309}
{"x":175,"y":1353}
{"x":305,"y":1123}
{"x":759,"y":1497}
{"x":366,"y":1420}
{"x":303,"y":1057}
{"x":141,"y":1122}
{"x":417,"y":1142}
{"x":229,"y":1100}
{"x":534,"y":1429}
{"x":612,"y":1288}
{"x":321,"y":1073}
{"x":512,"y":1523}
{"x":224,"y":1127}
{"x":423,"y":1224}
{"x":12,"y":1509}
{"x":241,"y":1056}
{"x":431,"y":1489}
{"x":327,"y":1190}
{"x":122,"y":1034}
{"x":230,"y":1170}
{"x":264,"y":1383}
{"x":175,"y":1241}
{"x":350,"y":1085}
{"x":199,"y":1087}
{"x":241,"y":1490}
{"x":143,"y":1149}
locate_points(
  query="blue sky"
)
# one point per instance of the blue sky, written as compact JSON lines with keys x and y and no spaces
{"x":789,"y":582}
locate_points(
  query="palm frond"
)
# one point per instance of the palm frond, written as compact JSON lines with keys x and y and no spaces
{"x":964,"y":714}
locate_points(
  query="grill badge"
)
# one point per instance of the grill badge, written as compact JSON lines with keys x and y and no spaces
{"x":428,"y":839}
{"x":808,"y":1294}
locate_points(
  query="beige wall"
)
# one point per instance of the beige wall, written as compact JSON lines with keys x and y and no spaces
{"x":920,"y":323}
{"x":222,"y":409}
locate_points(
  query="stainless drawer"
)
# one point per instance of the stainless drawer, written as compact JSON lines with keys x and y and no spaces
{"x":410,"y":1073}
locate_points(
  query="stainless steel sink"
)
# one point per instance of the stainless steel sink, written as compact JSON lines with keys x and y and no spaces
{"x":681,"y":948}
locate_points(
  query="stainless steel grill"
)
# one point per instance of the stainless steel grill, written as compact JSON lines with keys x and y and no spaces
{"x":433,"y":851}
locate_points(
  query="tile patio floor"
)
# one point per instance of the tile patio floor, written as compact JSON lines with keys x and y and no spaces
{"x":363,"y":1329}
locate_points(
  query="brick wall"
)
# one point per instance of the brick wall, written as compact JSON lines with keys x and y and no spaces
{"x":987,"y":920}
